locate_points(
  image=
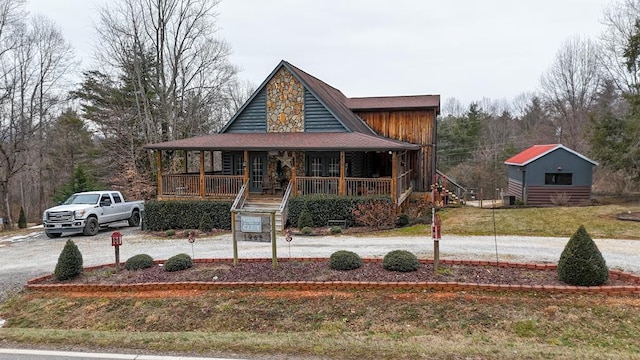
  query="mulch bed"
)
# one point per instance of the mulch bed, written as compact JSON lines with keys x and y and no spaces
{"x":320,"y":271}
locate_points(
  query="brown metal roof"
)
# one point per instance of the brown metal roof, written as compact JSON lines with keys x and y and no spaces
{"x":286,"y":141}
{"x":331,"y":98}
{"x":394,"y":102}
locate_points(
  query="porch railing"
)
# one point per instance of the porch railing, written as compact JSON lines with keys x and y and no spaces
{"x":404,"y":182}
{"x":189,"y":185}
{"x":368,"y":186}
{"x":229,"y":185}
{"x":309,"y":185}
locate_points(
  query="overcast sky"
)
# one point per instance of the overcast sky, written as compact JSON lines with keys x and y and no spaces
{"x":467,"y":49}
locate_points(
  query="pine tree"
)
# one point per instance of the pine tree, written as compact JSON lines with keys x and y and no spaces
{"x":581,"y":262}
{"x":69,"y":262}
{"x":22,"y":219}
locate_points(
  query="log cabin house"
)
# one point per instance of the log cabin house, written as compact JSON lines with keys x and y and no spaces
{"x":297,"y":135}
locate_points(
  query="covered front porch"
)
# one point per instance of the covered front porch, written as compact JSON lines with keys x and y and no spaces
{"x":222,"y":174}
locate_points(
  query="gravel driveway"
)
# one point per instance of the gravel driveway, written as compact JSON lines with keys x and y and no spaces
{"x":33,"y":254}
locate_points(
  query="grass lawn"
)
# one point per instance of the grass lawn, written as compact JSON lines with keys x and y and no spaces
{"x":600,"y":221}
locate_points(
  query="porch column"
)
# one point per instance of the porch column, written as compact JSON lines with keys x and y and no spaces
{"x":294,"y":188}
{"x":394,"y":178}
{"x":246,"y":171}
{"x":201,"y":173}
{"x":342,"y":173}
{"x":159,"y":164}
{"x":186,"y":161}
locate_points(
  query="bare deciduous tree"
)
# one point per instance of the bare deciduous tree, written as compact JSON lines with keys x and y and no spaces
{"x":569,"y":89}
{"x":620,"y":19}
{"x":33,"y":61}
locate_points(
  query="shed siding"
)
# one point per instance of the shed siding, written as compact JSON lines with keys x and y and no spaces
{"x":569,"y":163}
{"x":413,"y":126}
{"x":545,"y":195}
{"x":514,"y":188}
{"x":253,"y":118}
{"x":317,"y":118}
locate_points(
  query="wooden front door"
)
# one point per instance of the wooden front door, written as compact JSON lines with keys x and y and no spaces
{"x":257,"y":170}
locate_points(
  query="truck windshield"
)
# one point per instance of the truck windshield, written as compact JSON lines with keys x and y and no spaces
{"x":82,"y":199}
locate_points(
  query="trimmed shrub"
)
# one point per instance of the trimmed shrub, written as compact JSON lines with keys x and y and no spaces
{"x":581,"y":262}
{"x":305,"y":219}
{"x":306,"y":230}
{"x":377,"y":214}
{"x":178,"y":262}
{"x":165,"y":215}
{"x":345,"y":260}
{"x":400,"y":260}
{"x":138,"y":262}
{"x":69,"y":262}
{"x":327,"y":207}
{"x":22,"y":219}
{"x":336,"y":230}
{"x":171,"y":232}
{"x":402,"y":220}
{"x":206,"y":223}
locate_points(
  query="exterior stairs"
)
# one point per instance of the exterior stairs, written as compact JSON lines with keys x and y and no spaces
{"x":267,"y":204}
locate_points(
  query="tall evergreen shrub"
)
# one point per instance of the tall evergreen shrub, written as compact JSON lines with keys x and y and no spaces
{"x":22,"y":219}
{"x":69,"y":262}
{"x":581,"y":262}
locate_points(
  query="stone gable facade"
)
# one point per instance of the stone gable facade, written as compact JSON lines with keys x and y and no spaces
{"x":285,"y":103}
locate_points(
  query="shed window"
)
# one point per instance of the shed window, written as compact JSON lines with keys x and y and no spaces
{"x":558,"y":179}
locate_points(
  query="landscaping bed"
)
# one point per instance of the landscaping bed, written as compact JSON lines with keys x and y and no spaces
{"x":319,"y":271}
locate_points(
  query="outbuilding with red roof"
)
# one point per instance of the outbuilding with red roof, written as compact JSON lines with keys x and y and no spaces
{"x":550,"y":174}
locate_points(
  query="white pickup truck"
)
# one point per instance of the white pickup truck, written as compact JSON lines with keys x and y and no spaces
{"x":86,"y":212}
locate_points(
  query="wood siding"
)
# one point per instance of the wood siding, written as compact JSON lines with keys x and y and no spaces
{"x":317,"y":118}
{"x":514,"y":188}
{"x":413,"y":126}
{"x":543,"y":195}
{"x":253,"y":117}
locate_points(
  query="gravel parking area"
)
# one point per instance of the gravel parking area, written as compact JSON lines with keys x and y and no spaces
{"x":33,"y":254}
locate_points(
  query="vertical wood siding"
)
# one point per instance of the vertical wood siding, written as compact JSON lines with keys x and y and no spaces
{"x":413,"y":126}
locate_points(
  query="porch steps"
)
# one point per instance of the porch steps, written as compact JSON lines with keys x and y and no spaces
{"x":266,"y":204}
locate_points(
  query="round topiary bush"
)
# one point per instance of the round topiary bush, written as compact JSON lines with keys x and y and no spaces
{"x":400,"y":260}
{"x":403,"y":220}
{"x":178,"y":262}
{"x":581,"y":262}
{"x":306,"y":230}
{"x":345,"y":260}
{"x":69,"y":262}
{"x":305,"y":219}
{"x":336,"y":230}
{"x":138,"y":262}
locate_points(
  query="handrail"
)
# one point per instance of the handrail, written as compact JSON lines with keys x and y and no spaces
{"x":285,"y":198}
{"x":240,"y":197}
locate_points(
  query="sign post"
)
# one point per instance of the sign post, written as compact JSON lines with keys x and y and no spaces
{"x":116,"y":241}
{"x":254,"y":226}
{"x":435,"y":235}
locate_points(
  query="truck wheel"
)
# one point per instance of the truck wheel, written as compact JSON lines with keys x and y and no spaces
{"x":91,"y":227}
{"x":134,"y":220}
{"x":53,"y":235}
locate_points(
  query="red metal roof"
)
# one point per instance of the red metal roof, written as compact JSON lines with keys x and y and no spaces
{"x":286,"y":141}
{"x":530,"y":154}
{"x":537,"y":151}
